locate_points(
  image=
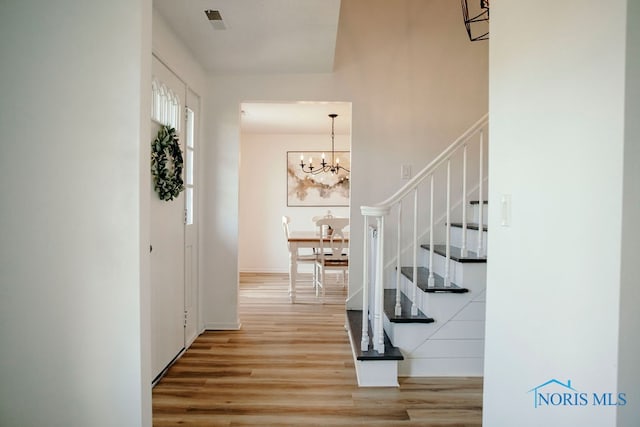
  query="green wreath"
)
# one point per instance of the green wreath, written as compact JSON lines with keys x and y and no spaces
{"x":167,"y":164}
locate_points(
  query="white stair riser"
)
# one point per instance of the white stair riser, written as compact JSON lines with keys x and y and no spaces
{"x":462,"y":274}
{"x":472,"y":239}
{"x":406,"y":336}
{"x":374,"y":373}
{"x":444,"y":307}
{"x":378,"y":373}
{"x":474,"y":216}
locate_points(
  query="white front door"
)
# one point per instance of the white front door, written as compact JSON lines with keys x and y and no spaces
{"x":191,"y":220}
{"x":167,"y":241}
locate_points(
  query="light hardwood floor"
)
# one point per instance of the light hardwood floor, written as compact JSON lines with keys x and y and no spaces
{"x":291,"y":364}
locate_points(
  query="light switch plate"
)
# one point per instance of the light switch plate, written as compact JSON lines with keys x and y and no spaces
{"x":405,"y":172}
{"x":505,"y":210}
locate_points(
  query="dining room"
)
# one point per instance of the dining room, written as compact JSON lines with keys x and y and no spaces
{"x":275,"y":138}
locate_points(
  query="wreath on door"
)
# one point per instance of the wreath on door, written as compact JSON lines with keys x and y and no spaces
{"x":167,"y":164}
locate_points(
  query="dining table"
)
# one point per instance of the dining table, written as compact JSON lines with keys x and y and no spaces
{"x":299,"y":240}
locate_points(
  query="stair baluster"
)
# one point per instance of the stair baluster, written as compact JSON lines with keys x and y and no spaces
{"x":447,"y":266}
{"x":431,"y":282}
{"x":414,"y":296}
{"x":398,"y":308}
{"x":480,"y":196}
{"x":463,"y":246}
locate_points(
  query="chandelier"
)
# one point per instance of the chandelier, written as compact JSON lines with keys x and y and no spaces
{"x":333,"y":167}
{"x":478,"y":17}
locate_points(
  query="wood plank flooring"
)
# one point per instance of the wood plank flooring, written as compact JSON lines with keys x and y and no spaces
{"x":291,"y":365}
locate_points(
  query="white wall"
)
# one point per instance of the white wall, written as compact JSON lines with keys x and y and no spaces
{"x":175,"y":55}
{"x":415,"y":82}
{"x":557,"y":99}
{"x":263,"y":198}
{"x":629,"y":344}
{"x":73,"y":317}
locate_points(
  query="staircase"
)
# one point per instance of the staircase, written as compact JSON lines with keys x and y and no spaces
{"x":424,"y":275}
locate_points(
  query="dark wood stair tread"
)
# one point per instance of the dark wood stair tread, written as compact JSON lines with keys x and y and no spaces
{"x":354,"y":318}
{"x":405,"y":304}
{"x":423,"y":280}
{"x":470,"y":226}
{"x":455,"y":253}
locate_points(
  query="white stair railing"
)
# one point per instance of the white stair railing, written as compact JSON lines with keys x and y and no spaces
{"x":373,"y":287}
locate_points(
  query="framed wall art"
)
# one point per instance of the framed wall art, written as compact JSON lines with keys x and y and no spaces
{"x":321,"y":189}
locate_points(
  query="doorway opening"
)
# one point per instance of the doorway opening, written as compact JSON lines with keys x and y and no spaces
{"x":273,"y":137}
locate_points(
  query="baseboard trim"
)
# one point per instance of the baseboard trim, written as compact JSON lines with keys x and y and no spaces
{"x":263,"y":270}
{"x":166,"y":368}
{"x":222,"y":326}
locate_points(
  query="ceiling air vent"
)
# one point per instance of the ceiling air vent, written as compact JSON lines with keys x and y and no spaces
{"x":215,"y":19}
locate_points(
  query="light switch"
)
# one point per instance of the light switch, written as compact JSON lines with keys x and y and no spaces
{"x":405,"y":172}
{"x":505,"y":210}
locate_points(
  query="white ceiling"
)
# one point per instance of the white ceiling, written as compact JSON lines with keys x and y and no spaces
{"x":265,"y":36}
{"x":261,"y":36}
{"x":295,"y":117}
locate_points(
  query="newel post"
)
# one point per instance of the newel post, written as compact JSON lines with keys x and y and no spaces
{"x":378,"y":279}
{"x":364,"y":343}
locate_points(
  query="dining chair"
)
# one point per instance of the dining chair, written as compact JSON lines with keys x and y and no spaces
{"x":334,"y":249}
{"x":300,"y":258}
{"x":317,"y":217}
